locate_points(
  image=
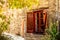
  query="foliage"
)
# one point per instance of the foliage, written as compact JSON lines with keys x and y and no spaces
{"x":22,"y":3}
{"x":18,"y":4}
{"x":4,"y":38}
{"x":53,"y":32}
{"x":1,"y":5}
{"x":3,"y":25}
{"x":58,"y":36}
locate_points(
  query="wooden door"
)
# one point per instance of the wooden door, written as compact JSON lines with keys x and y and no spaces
{"x":30,"y":22}
{"x":39,"y":24}
{"x":42,"y":16}
{"x":36,"y":21}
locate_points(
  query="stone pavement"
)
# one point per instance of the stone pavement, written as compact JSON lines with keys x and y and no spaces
{"x":28,"y":36}
{"x":31,"y":36}
{"x":12,"y":37}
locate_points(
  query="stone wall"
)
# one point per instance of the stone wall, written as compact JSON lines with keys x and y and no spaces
{"x":51,"y":12}
{"x":17,"y":21}
{"x":18,"y":17}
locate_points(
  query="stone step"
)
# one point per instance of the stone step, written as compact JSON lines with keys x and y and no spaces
{"x":31,"y":36}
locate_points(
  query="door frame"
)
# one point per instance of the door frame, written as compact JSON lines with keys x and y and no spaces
{"x":34,"y":17}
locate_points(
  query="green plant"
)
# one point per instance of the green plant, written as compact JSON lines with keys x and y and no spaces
{"x":58,"y":35}
{"x":3,"y":26}
{"x":53,"y":31}
{"x":4,"y":38}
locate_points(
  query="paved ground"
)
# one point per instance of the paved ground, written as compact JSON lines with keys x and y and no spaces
{"x":31,"y":36}
{"x":13,"y":37}
{"x":28,"y":36}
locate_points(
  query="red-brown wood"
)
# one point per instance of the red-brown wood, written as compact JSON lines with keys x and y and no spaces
{"x":30,"y":22}
{"x":41,"y":21}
